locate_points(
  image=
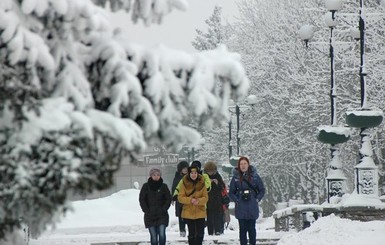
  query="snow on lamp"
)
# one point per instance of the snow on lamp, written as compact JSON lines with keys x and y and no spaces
{"x":306,"y":33}
{"x":330,"y":21}
{"x":366,"y":172}
{"x":364,"y":118}
{"x":355,"y":33}
{"x":333,"y":134}
{"x":333,"y":5}
{"x":234,"y":161}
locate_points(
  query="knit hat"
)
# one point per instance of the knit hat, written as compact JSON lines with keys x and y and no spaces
{"x":210,"y":166}
{"x":191,"y":168}
{"x":154,"y":171}
{"x":181,"y":165}
{"x":196,"y":164}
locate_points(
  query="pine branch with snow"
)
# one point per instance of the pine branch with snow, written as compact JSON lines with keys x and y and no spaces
{"x":76,"y":98}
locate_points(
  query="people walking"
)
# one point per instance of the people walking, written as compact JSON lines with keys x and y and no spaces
{"x":155,"y":200}
{"x":246,"y":190}
{"x":215,"y":210}
{"x":182,"y":169}
{"x":194,"y":196}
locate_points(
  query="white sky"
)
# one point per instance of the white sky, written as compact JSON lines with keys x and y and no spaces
{"x":118,"y":218}
{"x":178,"y":28}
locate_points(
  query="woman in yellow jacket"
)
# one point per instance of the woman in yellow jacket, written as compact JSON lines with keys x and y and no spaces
{"x":193,"y":195}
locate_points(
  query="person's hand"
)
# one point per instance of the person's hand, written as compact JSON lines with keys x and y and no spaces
{"x":194,"y":201}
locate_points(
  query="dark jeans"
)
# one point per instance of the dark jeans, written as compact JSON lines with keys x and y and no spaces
{"x":182,"y":224}
{"x":196,"y":231}
{"x":214,"y":222}
{"x":247,"y":226}
{"x":158,"y":235}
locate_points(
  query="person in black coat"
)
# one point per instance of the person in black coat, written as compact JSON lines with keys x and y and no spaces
{"x":181,"y":171}
{"x":214,"y":205}
{"x":155,"y":200}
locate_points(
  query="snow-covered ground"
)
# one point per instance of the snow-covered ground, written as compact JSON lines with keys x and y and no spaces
{"x":118,"y":218}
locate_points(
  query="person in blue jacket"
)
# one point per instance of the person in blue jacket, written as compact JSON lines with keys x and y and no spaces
{"x":246,"y":190}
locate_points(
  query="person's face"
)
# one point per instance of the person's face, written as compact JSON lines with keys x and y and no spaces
{"x":244,"y":165}
{"x":184,"y":171}
{"x":211,"y":172}
{"x":155,"y":176}
{"x":194,"y":174}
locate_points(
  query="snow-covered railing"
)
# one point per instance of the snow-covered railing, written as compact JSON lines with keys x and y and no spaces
{"x":298,"y":217}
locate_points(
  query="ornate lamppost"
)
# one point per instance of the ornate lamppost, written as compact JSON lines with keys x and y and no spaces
{"x":331,"y":134}
{"x":236,"y":109}
{"x":366,"y":172}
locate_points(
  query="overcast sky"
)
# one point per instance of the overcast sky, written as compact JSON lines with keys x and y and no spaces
{"x":178,"y":28}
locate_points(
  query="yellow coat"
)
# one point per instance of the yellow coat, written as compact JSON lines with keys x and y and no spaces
{"x":190,"y":211}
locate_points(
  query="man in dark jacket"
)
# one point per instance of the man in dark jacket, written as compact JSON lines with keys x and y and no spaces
{"x":155,"y":200}
{"x":181,"y":171}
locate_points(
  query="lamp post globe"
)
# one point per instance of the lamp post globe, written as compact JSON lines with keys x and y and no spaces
{"x":306,"y":33}
{"x":330,"y":21}
{"x":333,"y":5}
{"x":355,"y":33}
{"x":252,"y":99}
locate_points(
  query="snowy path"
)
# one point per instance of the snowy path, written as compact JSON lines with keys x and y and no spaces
{"x":112,"y":238}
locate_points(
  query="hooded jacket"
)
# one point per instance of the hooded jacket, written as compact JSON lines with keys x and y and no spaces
{"x":246,"y":209}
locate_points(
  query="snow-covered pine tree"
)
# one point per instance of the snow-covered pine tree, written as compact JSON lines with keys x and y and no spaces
{"x":215,"y":34}
{"x":214,"y":148}
{"x":76,"y":97}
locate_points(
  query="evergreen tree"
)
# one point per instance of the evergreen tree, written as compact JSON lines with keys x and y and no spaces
{"x":76,"y":97}
{"x":215,"y":34}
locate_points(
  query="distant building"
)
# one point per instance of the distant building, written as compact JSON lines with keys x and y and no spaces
{"x":128,"y":174}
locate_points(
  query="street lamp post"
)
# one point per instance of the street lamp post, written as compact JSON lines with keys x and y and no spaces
{"x":238,"y":112}
{"x":251,"y":101}
{"x":230,"y":146}
{"x":366,"y":172}
{"x":363,"y":118}
{"x":332,"y":134}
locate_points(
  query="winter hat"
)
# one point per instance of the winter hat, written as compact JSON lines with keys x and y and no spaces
{"x":196,"y":164}
{"x":191,"y":168}
{"x":181,"y":165}
{"x":210,"y":166}
{"x":154,"y":171}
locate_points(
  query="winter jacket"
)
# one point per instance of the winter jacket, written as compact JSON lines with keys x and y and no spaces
{"x":178,"y":207}
{"x":215,"y":194}
{"x":246,"y":209}
{"x":206,"y":179}
{"x":198,"y":189}
{"x":155,"y":200}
